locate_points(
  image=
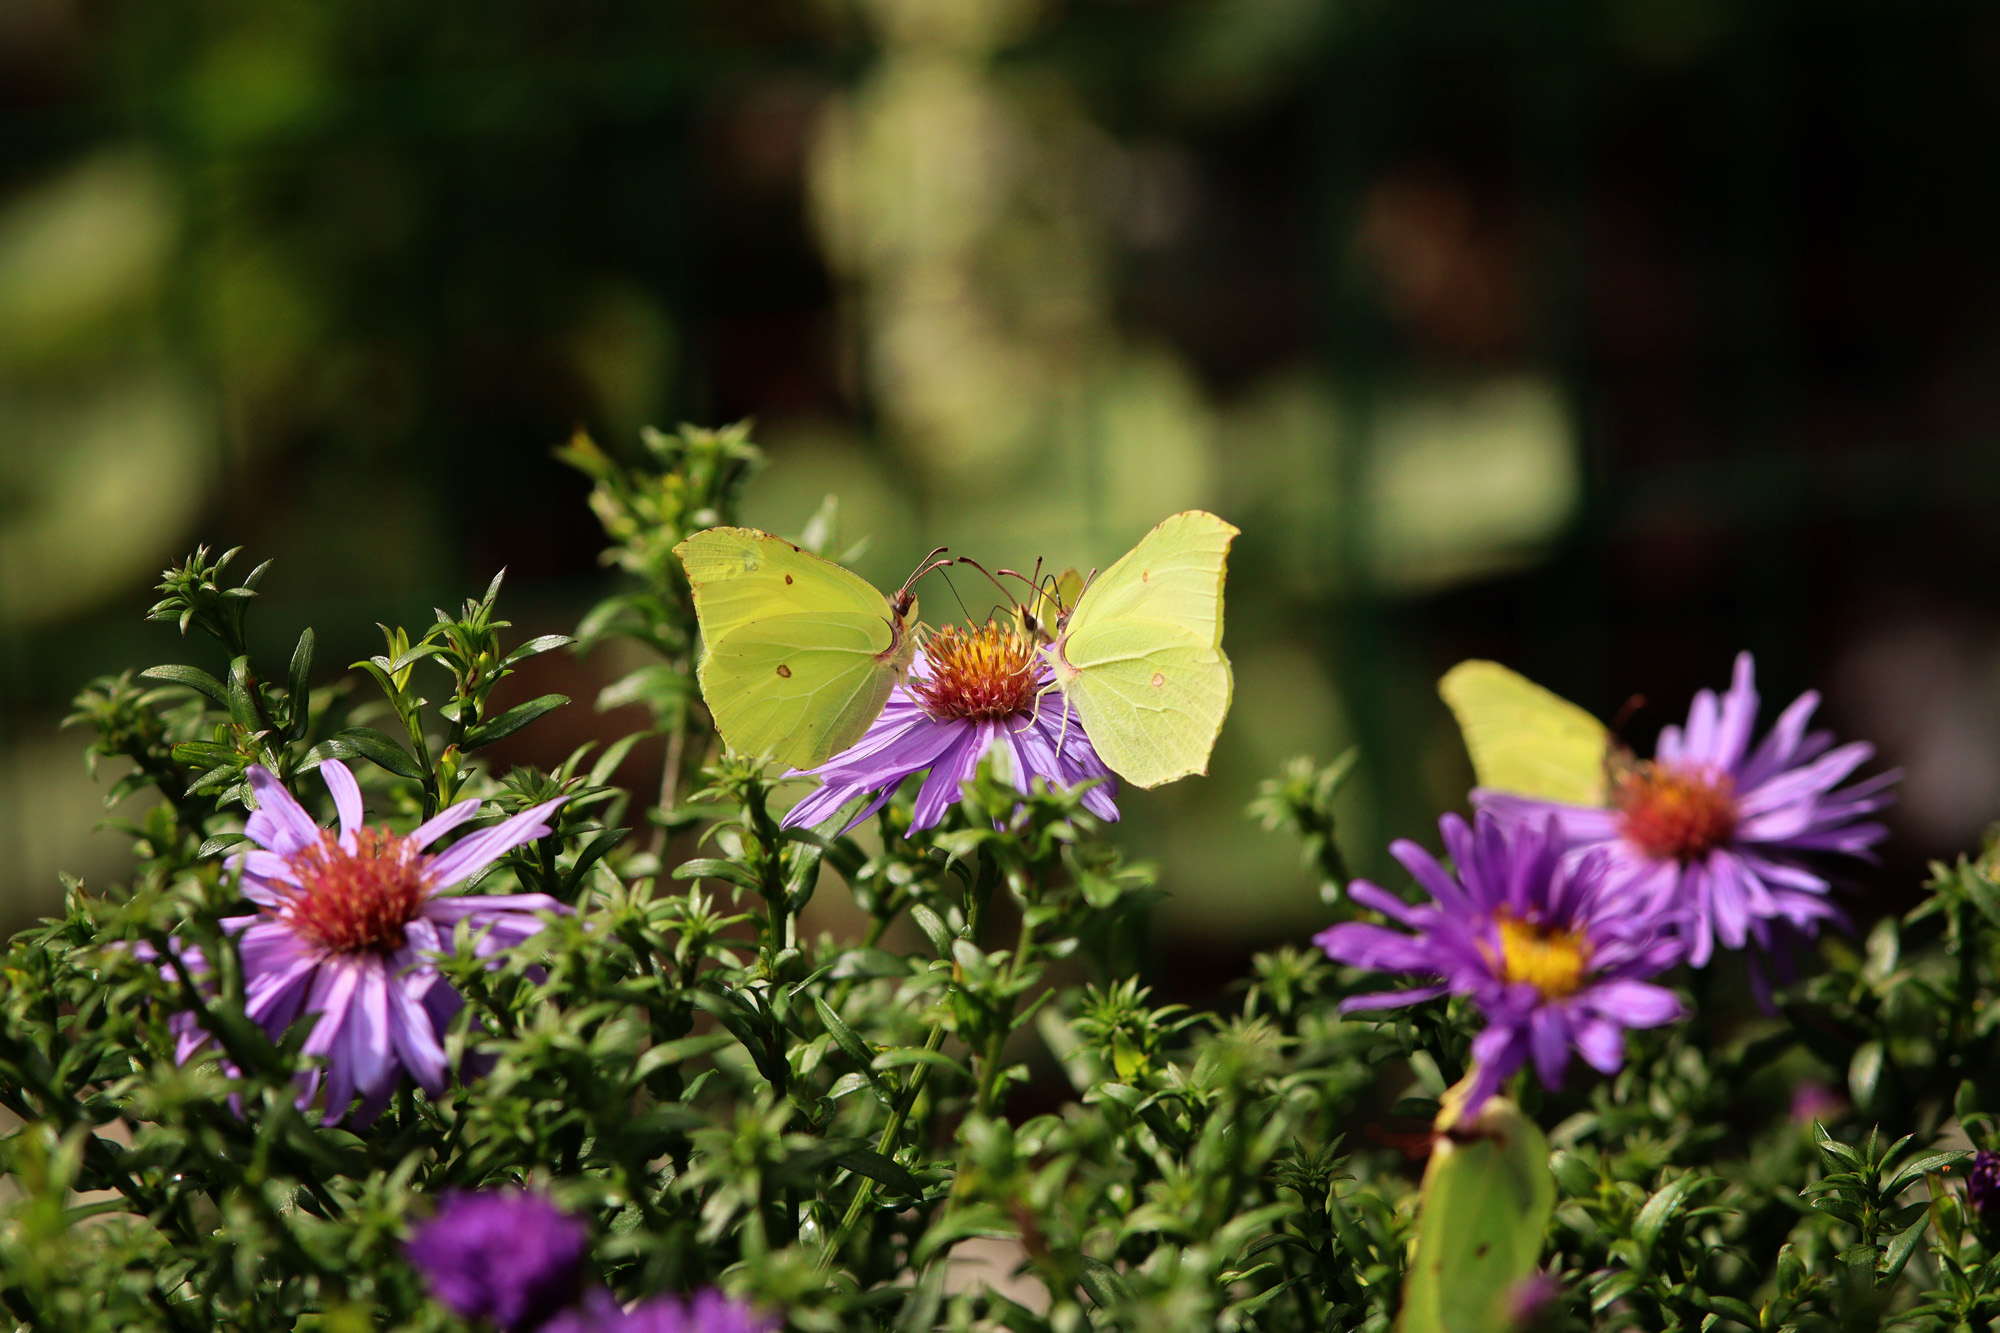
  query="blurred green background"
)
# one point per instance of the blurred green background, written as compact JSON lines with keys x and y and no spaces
{"x":1604,"y":337}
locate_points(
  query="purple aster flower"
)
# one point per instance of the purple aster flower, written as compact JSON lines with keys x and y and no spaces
{"x":968,"y":692}
{"x":1554,"y":960}
{"x":504,"y":1255}
{"x":1720,"y":832}
{"x":346,"y":922}
{"x":1982,"y":1186}
{"x":707,"y":1311}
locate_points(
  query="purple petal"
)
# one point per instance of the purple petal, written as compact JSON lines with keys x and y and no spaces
{"x":1601,"y":1043}
{"x":1634,"y":1004}
{"x":280,"y":823}
{"x":1391,"y":999}
{"x":462,"y":860}
{"x":443,"y":822}
{"x":1548,"y":1039}
{"x":416,"y":1041}
{"x":346,"y":798}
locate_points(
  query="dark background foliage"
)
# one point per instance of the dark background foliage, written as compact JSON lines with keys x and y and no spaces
{"x":1601,"y":337}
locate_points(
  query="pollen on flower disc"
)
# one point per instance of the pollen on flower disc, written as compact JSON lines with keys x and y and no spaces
{"x":1678,"y":812}
{"x":987,"y":672}
{"x":350,"y":901}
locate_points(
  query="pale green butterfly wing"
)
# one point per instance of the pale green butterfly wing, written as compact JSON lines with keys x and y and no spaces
{"x":1140,"y":656}
{"x":1525,"y":739}
{"x":1486,"y":1201}
{"x":799,"y":655}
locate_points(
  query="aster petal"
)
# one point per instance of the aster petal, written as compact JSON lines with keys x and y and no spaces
{"x":1779,"y":750}
{"x":279,"y":823}
{"x":1699,"y":739}
{"x":1434,"y":878}
{"x":1737,"y":717}
{"x":1392,"y":999}
{"x":1601,"y":1043}
{"x":346,"y":798}
{"x":940,"y":790}
{"x":1633,"y":1004}
{"x":1496,"y":1053}
{"x":416,"y":1041}
{"x":1725,"y":897}
{"x":1548,"y":1039}
{"x":367,"y":1046}
{"x":462,"y":860}
{"x":868,"y":811}
{"x":443,"y":822}
{"x":1378,"y":948}
{"x":1381,"y":900}
{"x":1814,"y":779}
{"x":1579,"y":823}
{"x":331,"y":995}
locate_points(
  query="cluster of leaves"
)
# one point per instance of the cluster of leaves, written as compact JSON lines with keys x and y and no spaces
{"x":839,"y":1128}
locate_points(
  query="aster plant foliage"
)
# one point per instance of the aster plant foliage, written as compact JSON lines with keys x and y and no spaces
{"x":593,"y":1071}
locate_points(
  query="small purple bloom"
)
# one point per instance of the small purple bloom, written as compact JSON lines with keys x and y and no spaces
{"x":1982,"y":1187}
{"x":1553,"y":959}
{"x":969,"y":691}
{"x":707,"y":1311}
{"x":345,"y":925}
{"x":1534,"y":1302}
{"x":504,"y":1255}
{"x":1723,"y":833}
{"x":1812,"y":1100}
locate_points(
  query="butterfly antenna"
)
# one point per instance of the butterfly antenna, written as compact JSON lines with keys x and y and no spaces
{"x":1618,"y":759}
{"x":903,"y":596}
{"x":960,"y":600}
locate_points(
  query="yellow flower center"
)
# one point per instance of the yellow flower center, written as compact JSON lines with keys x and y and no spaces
{"x":987,"y":672}
{"x":1551,"y":959}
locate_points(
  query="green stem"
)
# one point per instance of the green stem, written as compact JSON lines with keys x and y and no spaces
{"x":989,"y":1066}
{"x":885,"y":1144}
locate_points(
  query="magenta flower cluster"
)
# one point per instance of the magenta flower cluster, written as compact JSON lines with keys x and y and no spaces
{"x":347,"y":925}
{"x":1555,"y":919}
{"x":512,"y":1258}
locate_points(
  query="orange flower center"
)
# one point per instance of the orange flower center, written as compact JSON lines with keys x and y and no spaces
{"x":981,"y":673}
{"x":350,"y":901}
{"x":1682,"y":813}
{"x":1554,"y":960}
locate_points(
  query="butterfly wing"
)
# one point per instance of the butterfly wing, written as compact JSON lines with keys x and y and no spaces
{"x":1525,"y":739}
{"x":799,"y":655}
{"x":1141,"y":655}
{"x":1486,"y":1201}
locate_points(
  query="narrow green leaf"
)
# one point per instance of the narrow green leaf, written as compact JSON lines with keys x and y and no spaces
{"x":882,"y":1170}
{"x":536,"y":646}
{"x":192,"y":677}
{"x":298,"y":680}
{"x":511,"y":721}
{"x":708,"y":867}
{"x":370,"y":744}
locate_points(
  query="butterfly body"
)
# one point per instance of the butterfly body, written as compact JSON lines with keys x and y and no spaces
{"x":1140,"y":654}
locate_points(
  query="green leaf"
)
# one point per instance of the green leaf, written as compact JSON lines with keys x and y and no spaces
{"x":845,"y":1036}
{"x":298,"y":682}
{"x":678,"y":1052}
{"x":511,"y":721}
{"x":934,"y":929}
{"x":882,"y":1170}
{"x":1864,"y":1072}
{"x":903,"y":1056}
{"x":370,"y":744}
{"x":243,"y":709}
{"x":708,"y":867}
{"x":534,"y":647}
{"x":1912,"y":1172}
{"x":192,"y":677}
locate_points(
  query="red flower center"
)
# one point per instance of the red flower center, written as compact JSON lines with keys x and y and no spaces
{"x":349,"y":901}
{"x":1683,"y":813}
{"x":982,"y":673}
